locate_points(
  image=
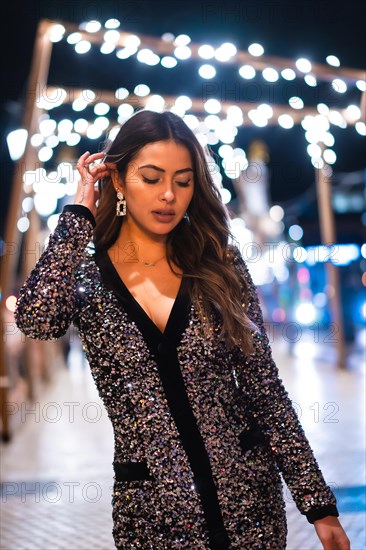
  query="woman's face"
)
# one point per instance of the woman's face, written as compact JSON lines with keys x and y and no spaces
{"x":158,"y":187}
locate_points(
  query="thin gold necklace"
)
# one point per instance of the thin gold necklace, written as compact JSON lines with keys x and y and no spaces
{"x":151,"y":264}
{"x":133,"y":256}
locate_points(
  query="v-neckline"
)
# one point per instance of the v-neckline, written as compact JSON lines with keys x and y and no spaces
{"x":118,"y":285}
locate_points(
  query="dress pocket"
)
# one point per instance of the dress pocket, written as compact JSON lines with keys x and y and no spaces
{"x":131,"y":471}
{"x":251,"y":437}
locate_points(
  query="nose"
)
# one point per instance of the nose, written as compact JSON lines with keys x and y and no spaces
{"x":168,"y":194}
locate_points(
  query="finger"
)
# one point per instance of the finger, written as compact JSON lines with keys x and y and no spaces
{"x":99,"y":171}
{"x":93,"y":168}
{"x":85,"y":155}
{"x":93,"y":158}
{"x":102,"y":175}
{"x":86,"y":160}
{"x":82,"y":159}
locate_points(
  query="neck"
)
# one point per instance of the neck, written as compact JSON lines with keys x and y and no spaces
{"x":140,"y":244}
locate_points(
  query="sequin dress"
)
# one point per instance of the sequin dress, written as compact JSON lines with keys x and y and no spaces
{"x":201,"y":433}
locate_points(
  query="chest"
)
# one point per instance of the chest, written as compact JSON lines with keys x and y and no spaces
{"x":156,"y":297}
{"x":154,"y":289}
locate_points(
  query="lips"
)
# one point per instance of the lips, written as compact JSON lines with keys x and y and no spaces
{"x":164,"y":212}
{"x":163,"y":216}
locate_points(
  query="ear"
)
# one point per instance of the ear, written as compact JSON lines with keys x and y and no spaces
{"x":116,"y":180}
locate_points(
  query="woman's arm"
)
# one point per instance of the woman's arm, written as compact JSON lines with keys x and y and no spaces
{"x":331,"y":534}
{"x":47,"y":301}
{"x":272,"y":409}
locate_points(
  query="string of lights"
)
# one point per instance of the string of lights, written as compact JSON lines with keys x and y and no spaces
{"x":92,"y":113}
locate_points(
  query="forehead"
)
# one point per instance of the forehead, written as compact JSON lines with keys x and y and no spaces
{"x":165,"y":154}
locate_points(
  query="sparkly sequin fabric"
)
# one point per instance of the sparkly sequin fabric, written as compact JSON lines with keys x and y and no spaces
{"x":201,"y":434}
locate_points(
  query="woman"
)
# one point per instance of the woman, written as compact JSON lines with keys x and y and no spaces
{"x":174,"y":335}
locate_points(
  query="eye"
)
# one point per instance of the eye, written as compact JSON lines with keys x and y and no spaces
{"x":183,"y":183}
{"x":147,"y":180}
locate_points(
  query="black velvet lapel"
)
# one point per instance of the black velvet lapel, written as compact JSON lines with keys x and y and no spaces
{"x":178,"y":318}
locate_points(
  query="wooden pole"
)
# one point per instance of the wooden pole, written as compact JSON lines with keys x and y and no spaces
{"x":363,"y":106}
{"x":328,"y":238}
{"x":36,"y":84}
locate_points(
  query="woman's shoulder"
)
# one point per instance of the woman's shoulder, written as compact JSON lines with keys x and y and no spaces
{"x":234,"y":255}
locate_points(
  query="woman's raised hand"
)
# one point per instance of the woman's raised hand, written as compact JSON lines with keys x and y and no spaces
{"x":87,"y":194}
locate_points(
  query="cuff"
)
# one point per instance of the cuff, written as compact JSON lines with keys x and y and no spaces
{"x":81,"y":210}
{"x":321,"y":512}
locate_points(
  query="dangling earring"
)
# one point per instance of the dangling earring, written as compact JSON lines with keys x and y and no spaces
{"x":186,"y":217}
{"x":121,"y":204}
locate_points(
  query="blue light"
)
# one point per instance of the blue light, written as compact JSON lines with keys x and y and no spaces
{"x":338,"y":254}
{"x":296,"y":232}
{"x":363,"y":310}
{"x":351,"y":499}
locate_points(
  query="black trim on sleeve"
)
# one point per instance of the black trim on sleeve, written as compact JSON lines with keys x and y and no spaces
{"x":82,"y":210}
{"x":321,"y":512}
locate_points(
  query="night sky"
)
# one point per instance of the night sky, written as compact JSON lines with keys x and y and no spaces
{"x":311,"y":29}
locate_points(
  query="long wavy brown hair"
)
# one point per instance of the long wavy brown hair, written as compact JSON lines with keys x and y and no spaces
{"x":200,"y":245}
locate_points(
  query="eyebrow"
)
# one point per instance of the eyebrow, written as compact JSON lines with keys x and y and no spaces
{"x":162,"y":170}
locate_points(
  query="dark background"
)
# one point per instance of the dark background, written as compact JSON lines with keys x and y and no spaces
{"x":311,"y":29}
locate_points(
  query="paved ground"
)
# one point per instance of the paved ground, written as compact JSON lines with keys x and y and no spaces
{"x":57,"y":473}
